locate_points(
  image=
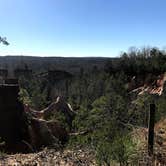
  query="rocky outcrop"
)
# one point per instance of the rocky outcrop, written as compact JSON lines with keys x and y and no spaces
{"x":46,"y":133}
{"x":22,"y":129}
{"x":59,"y":105}
{"x":153,"y":85}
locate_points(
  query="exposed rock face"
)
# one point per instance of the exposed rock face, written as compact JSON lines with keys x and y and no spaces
{"x":46,"y":133}
{"x":154,"y":85}
{"x":23,"y":132}
{"x":58,"y":131}
{"x":58,"y":106}
{"x":40,"y":135}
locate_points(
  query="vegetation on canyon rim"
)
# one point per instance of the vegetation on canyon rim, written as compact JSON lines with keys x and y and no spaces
{"x":106,"y":110}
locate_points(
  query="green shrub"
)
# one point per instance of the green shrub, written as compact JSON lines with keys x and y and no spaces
{"x":118,"y":151}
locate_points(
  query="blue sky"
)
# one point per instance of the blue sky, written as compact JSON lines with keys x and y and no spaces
{"x":81,"y":27}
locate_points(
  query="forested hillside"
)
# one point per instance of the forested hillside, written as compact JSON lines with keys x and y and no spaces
{"x":51,"y":63}
{"x":108,"y":102}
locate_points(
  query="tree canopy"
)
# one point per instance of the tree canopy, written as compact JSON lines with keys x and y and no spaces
{"x":4,"y":41}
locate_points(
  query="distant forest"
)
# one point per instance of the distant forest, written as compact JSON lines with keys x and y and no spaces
{"x":37,"y":64}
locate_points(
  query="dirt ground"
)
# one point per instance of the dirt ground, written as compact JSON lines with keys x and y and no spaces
{"x":50,"y":157}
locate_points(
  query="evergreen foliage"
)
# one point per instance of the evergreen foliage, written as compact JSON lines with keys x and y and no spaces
{"x":106,"y":112}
